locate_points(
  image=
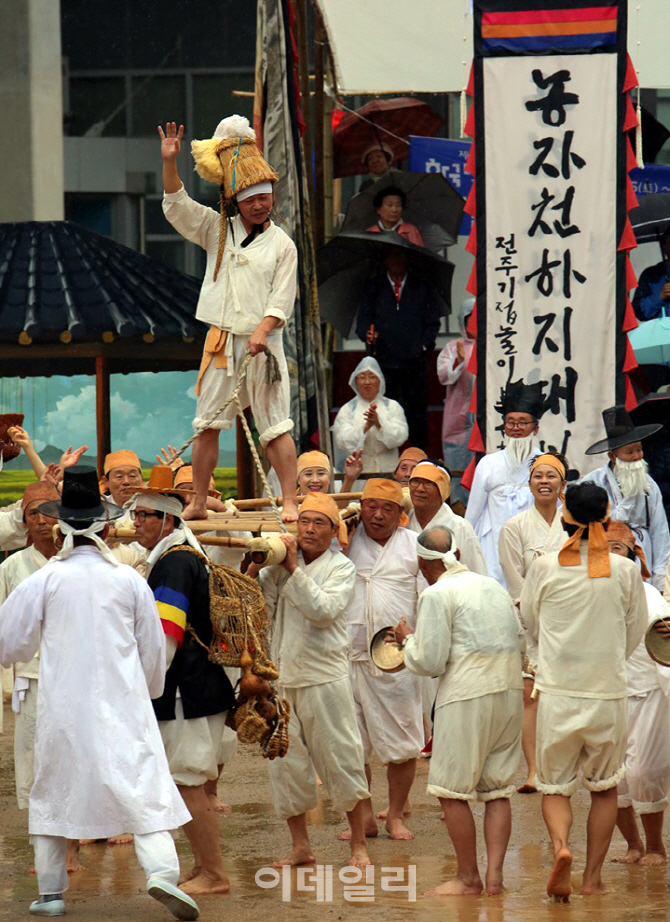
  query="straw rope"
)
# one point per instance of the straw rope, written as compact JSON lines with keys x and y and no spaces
{"x":273,"y":375}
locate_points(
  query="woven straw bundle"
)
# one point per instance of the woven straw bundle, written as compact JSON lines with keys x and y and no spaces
{"x":234,"y":163}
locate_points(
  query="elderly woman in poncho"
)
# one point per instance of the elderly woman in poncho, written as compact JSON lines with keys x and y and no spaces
{"x":370,"y":422}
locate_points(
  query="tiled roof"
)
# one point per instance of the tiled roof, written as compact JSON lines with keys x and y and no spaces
{"x":62,"y":283}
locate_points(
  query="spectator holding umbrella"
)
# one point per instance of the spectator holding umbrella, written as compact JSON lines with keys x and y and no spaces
{"x":652,"y":295}
{"x":389,"y":204}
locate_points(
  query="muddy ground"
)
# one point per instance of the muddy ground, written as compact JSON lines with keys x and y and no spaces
{"x":111,"y":887}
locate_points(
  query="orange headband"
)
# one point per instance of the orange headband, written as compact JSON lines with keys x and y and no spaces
{"x":437,"y":475}
{"x":411,"y":454}
{"x":552,"y":461}
{"x":313,"y":459}
{"x":619,"y":531}
{"x":121,"y":458}
{"x":388,"y":491}
{"x":321,"y":502}
{"x":598,"y":553}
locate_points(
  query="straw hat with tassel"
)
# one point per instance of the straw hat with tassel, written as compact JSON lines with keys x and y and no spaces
{"x":232,"y":161}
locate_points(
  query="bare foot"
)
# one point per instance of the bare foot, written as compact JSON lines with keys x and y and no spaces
{"x":632,"y":856}
{"x":407,"y":811}
{"x":72,"y":857}
{"x":126,"y":838}
{"x":559,"y":885}
{"x":395,"y":826}
{"x":91,"y":841}
{"x":654,"y":860}
{"x":371,"y":832}
{"x":295,"y":858}
{"x":289,"y":510}
{"x":494,"y":885}
{"x":195,"y":510}
{"x":592,"y":888}
{"x":203,"y":885}
{"x":188,"y":875}
{"x":457,"y":887}
{"x":218,"y":806}
{"x":359,"y":858}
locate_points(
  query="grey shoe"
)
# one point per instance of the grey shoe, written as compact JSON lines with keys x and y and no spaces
{"x":175,"y":900}
{"x":48,"y":905}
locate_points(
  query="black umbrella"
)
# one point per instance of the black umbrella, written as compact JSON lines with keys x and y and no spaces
{"x":348,"y":261}
{"x":651,"y":218}
{"x":432,"y":204}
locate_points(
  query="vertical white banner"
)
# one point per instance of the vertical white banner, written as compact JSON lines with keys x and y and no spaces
{"x":551,"y":184}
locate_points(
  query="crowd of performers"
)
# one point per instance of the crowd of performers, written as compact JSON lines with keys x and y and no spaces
{"x":521,"y":624}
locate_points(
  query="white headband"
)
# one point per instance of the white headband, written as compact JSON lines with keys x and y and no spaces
{"x":91,"y":531}
{"x":449,"y":559}
{"x":261,"y":188}
{"x":159,"y":502}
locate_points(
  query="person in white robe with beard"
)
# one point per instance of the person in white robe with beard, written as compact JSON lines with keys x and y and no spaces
{"x":634,"y":496}
{"x":100,"y":766}
{"x":586,"y":610}
{"x":644,"y":790}
{"x":467,"y":633}
{"x":388,"y":706}
{"x":307,"y":598}
{"x":371,"y":422}
{"x":523,"y":538}
{"x":500,"y":485}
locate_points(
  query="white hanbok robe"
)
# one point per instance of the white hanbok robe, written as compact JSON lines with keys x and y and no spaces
{"x":523,"y":539}
{"x":309,"y":647}
{"x":648,"y":751}
{"x":100,"y":765}
{"x":499,"y":490}
{"x":388,"y":705}
{"x":466,"y":539}
{"x":644,"y":514}
{"x":13,"y":571}
{"x":13,"y":531}
{"x":467,"y":633}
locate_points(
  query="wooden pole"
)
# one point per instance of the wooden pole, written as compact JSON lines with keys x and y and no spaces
{"x":319,"y":76}
{"x":102,"y":412}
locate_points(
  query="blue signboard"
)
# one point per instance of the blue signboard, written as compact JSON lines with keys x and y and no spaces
{"x":655,"y":177}
{"x":440,"y":155}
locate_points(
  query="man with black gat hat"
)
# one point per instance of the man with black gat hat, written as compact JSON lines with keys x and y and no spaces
{"x":634,"y":497}
{"x":500,"y":485}
{"x":100,"y":766}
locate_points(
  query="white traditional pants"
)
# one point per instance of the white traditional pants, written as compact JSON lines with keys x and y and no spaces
{"x":477,"y":747}
{"x":155,"y":851}
{"x":323,"y":737}
{"x":192,"y":746}
{"x":574,"y":733}
{"x":645,"y":786}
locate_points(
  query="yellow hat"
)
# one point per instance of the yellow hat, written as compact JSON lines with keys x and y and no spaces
{"x":231,"y":158}
{"x":121,"y":458}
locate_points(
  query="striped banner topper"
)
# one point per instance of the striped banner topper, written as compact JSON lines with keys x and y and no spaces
{"x":549,"y":30}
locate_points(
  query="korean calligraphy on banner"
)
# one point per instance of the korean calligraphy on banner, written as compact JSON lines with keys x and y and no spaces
{"x":550,"y":212}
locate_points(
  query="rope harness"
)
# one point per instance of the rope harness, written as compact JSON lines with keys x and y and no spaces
{"x":272,"y":376}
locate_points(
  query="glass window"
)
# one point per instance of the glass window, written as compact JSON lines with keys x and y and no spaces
{"x":92,"y":101}
{"x":156,"y":101}
{"x":155,"y":221}
{"x":213,"y":99}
